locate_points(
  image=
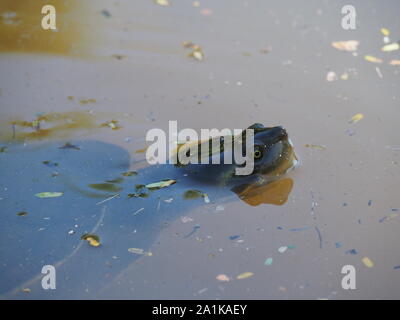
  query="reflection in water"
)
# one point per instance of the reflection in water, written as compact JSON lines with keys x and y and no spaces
{"x":50,"y":233}
{"x":21,"y":31}
{"x":276,"y":192}
{"x":53,"y":125}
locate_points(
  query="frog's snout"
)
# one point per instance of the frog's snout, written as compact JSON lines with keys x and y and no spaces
{"x":278,"y":133}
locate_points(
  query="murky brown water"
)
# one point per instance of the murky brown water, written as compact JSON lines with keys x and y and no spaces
{"x":263,"y":62}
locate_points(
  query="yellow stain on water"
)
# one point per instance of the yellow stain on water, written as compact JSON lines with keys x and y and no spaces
{"x":49,"y":125}
{"x":21,"y":27}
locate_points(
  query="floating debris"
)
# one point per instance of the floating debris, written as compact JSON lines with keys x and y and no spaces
{"x":300,"y":229}
{"x":106,"y":13}
{"x":245,"y":275}
{"x":319,"y":237}
{"x":338,"y":245}
{"x":234,"y":237}
{"x":357,"y":117}
{"x":118,"y":56}
{"x":3,"y":149}
{"x":391,"y":47}
{"x":194,"y":194}
{"x":282,"y":249}
{"x":396,"y":267}
{"x":49,"y":194}
{"x":93,"y":239}
{"x":195,"y":228}
{"x":314,"y":146}
{"x":50,"y":163}
{"x":379,"y":73}
{"x":113,"y":124}
{"x":219,"y":208}
{"x":140,"y":191}
{"x":389,"y":217}
{"x":206,"y":12}
{"x":352,"y":251}
{"x":160,"y":184}
{"x":69,"y":146}
{"x":373,"y":59}
{"x":108,"y":199}
{"x":268,"y":261}
{"x":143,"y":150}
{"x":140,"y":251}
{"x":394,"y":62}
{"x":129,"y":173}
{"x":163,"y":3}
{"x":350,"y":45}
{"x":223,"y":278}
{"x":109,"y":187}
{"x":344,"y":76}
{"x":22,"y":213}
{"x":87,"y":101}
{"x":369,"y":203}
{"x":186,"y":219}
{"x":138,"y":211}
{"x":385,"y":32}
{"x":367,"y":261}
{"x":331,"y":76}
{"x":188,"y":44}
{"x":26,"y":290}
{"x":197,"y":53}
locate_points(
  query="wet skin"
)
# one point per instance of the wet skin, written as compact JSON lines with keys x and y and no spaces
{"x":80,"y":170}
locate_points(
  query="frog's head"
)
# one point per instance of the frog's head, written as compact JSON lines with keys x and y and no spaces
{"x":273,"y":156}
{"x":273,"y":151}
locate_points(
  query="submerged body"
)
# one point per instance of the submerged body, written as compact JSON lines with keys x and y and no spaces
{"x":99,"y":197}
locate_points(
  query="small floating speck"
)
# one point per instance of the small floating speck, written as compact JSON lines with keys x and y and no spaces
{"x":49,"y":194}
{"x":245,"y":275}
{"x":282,"y":249}
{"x":367,"y":262}
{"x":223,"y":278}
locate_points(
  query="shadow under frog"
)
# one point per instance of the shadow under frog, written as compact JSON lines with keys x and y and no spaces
{"x":97,"y":198}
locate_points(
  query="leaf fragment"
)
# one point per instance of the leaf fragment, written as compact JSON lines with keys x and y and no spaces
{"x":113,"y":124}
{"x":391,"y":47}
{"x":350,"y":45}
{"x":367,"y":262}
{"x":163,"y":3}
{"x":140,"y":251}
{"x":160,"y":184}
{"x":223,"y":278}
{"x":93,"y":239}
{"x":129,"y":173}
{"x":385,"y":31}
{"x":49,"y":194}
{"x":314,"y":146}
{"x":373,"y":59}
{"x":244,"y":275}
{"x":197,"y":53}
{"x":357,"y":117}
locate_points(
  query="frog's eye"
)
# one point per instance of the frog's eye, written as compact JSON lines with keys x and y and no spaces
{"x":258,"y":153}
